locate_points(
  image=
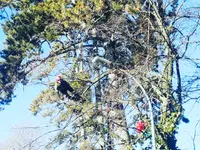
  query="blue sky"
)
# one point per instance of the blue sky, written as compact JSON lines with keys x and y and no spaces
{"x":18,"y":114}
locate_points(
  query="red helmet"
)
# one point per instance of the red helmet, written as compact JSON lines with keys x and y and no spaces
{"x":58,"y":77}
{"x":140,"y":125}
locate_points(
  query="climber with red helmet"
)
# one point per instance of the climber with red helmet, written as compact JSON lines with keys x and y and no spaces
{"x":63,"y":87}
{"x":140,"y":126}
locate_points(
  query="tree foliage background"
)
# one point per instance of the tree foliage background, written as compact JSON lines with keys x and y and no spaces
{"x":145,"y":41}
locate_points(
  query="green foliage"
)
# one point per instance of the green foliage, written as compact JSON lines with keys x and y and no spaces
{"x":117,"y":6}
{"x":86,"y":145}
{"x":47,"y":96}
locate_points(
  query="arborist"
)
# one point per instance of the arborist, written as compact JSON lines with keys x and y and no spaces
{"x":64,"y":88}
{"x":140,"y":126}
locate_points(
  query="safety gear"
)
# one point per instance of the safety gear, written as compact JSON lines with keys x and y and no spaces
{"x":140,"y":126}
{"x":58,"y":78}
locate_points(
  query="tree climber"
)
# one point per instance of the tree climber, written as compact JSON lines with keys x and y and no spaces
{"x":63,"y":87}
{"x":140,"y":126}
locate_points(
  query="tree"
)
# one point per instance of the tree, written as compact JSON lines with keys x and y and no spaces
{"x":141,"y":44}
{"x":24,"y":139}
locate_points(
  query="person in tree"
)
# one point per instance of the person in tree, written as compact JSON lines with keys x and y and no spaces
{"x":140,"y":126}
{"x":64,"y":88}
